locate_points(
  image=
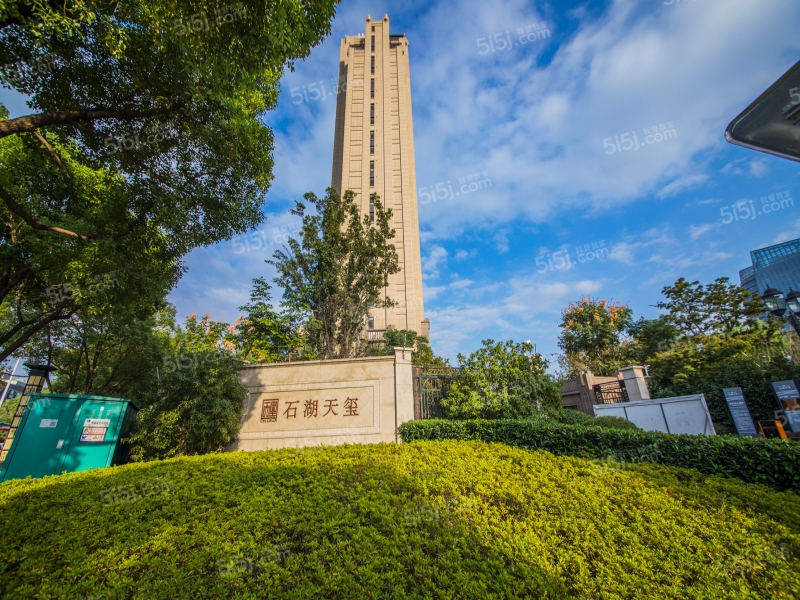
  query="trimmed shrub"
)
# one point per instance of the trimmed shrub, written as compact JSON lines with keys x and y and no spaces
{"x":612,"y":423}
{"x":571,"y":417}
{"x":775,"y":463}
{"x":422,"y":520}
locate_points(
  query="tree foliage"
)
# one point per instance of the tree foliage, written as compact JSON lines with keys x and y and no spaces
{"x":593,"y":334}
{"x":422,"y":354}
{"x":263,"y":335}
{"x":337,"y":272}
{"x":197,"y":402}
{"x":718,"y":308}
{"x":146,"y":139}
{"x":501,"y":380}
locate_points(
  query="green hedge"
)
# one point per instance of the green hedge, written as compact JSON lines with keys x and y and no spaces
{"x":424,"y":520}
{"x":775,"y":463}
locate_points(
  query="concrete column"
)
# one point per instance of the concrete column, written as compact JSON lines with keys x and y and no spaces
{"x":635,"y":382}
{"x":403,"y":387}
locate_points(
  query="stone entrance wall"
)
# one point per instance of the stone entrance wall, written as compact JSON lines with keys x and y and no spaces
{"x":313,"y":403}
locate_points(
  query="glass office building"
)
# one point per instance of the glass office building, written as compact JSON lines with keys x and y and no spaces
{"x":774,"y":266}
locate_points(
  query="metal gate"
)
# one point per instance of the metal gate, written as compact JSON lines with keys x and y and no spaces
{"x":612,"y":392}
{"x":431,"y":384}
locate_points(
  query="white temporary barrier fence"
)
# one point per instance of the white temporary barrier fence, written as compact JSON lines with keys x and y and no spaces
{"x":683,"y":414}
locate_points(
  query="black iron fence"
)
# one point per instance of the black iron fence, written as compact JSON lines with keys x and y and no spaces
{"x":612,"y":392}
{"x":431,"y":384}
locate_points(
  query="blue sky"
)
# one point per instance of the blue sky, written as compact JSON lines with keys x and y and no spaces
{"x":533,"y":119}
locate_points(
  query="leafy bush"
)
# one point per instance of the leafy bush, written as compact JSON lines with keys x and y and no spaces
{"x":502,"y":380}
{"x":571,"y":417}
{"x":611,"y":423}
{"x":775,"y":463}
{"x":422,"y":520}
{"x":197,"y":408}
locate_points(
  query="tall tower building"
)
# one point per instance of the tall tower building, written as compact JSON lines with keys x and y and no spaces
{"x":373,"y":152}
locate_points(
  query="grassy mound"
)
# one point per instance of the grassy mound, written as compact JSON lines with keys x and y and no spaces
{"x":427,"y":519}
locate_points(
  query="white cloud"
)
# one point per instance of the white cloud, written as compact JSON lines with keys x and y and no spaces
{"x":430,"y":293}
{"x":465,"y":254}
{"x":623,"y":252}
{"x":683,"y":183}
{"x":460,"y":284}
{"x":436,"y":256}
{"x":501,"y":241}
{"x":695,"y":231}
{"x":756,"y":167}
{"x":790,"y":234}
{"x":514,"y":315}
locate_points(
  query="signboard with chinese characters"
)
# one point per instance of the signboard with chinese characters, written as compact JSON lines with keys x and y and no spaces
{"x":309,"y":410}
{"x":788,"y":397}
{"x":326,"y":402}
{"x":739,"y":411}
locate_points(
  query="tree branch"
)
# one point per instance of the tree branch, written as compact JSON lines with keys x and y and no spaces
{"x":65,"y":117}
{"x":9,"y":282}
{"x":52,"y":152}
{"x":56,"y":316}
{"x":17,"y":209}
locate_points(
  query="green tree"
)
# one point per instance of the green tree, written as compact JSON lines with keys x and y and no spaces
{"x":337,"y":272}
{"x":593,"y":336}
{"x":712,"y":338}
{"x":146,"y":141}
{"x":422,"y":354}
{"x":263,"y":335}
{"x":501,"y":380}
{"x":196,"y":405}
{"x":718,"y":308}
{"x":649,"y":337}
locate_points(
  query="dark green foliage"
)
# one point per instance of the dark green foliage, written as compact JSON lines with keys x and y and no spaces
{"x":611,"y":423}
{"x":398,"y":338}
{"x":775,"y":463}
{"x":422,"y":520}
{"x":571,"y":417}
{"x":649,"y":337}
{"x":195,"y":405}
{"x":742,"y":372}
{"x":197,"y":408}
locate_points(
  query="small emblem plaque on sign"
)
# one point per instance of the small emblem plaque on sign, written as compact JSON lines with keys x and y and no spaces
{"x":269,"y":411}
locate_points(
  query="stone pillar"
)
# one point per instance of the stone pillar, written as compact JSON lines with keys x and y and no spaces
{"x":635,"y":382}
{"x":403,"y":387}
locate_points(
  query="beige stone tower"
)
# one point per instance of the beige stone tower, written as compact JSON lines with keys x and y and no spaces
{"x":373,"y":152}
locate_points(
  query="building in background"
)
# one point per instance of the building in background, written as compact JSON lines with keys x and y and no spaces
{"x":373,"y":152}
{"x":775,"y":266}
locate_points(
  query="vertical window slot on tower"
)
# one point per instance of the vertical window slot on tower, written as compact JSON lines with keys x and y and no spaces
{"x":373,"y":43}
{"x":372,"y":114}
{"x":372,"y":173}
{"x":372,"y":142}
{"x":372,"y":64}
{"x":372,"y":210}
{"x":372,"y":88}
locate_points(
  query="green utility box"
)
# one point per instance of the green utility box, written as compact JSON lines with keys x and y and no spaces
{"x":67,"y":432}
